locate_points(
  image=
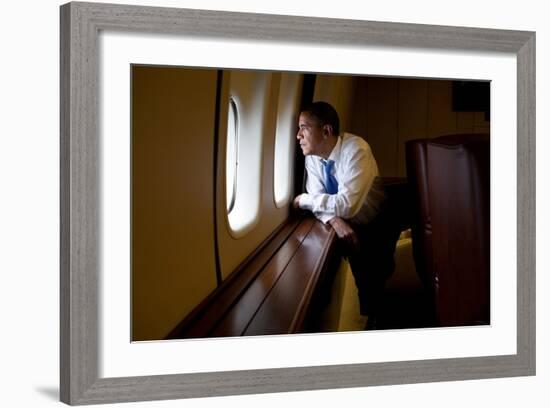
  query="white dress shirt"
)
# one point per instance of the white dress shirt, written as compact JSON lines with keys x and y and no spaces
{"x":360,"y":189}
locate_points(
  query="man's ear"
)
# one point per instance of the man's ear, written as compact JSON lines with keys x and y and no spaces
{"x":327,"y":131}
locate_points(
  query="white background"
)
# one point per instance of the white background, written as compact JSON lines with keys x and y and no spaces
{"x":29,"y":209}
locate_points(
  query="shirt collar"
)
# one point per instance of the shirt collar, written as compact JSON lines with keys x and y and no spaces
{"x":335,"y":153}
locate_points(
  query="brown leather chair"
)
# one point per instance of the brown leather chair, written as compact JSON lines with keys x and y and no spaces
{"x":450,"y":186}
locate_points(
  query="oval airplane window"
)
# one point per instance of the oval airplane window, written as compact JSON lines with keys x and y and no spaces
{"x":250,"y":92}
{"x":231,"y":161}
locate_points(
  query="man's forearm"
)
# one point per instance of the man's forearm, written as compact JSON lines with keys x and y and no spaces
{"x":298,"y":203}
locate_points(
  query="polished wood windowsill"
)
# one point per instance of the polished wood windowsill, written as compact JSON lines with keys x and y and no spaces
{"x":275,"y":291}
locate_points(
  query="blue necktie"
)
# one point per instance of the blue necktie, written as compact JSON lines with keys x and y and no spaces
{"x":331,"y":185}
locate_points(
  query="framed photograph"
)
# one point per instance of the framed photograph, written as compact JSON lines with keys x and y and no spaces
{"x":135,"y":79}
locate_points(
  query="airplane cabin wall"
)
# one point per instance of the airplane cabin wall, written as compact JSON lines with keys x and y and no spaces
{"x":173,"y":172}
{"x":387,"y":112}
{"x":261,"y":91}
{"x":338,"y":91}
{"x":172,"y":195}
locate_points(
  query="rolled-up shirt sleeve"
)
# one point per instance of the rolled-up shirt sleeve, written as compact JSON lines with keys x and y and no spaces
{"x":357,"y":174}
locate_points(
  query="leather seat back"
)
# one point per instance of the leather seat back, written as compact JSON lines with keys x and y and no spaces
{"x":450,"y":180}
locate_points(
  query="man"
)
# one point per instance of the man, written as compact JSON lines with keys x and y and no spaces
{"x":345,"y":191}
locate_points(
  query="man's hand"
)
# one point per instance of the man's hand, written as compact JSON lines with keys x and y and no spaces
{"x":345,"y":232}
{"x":296,"y":202}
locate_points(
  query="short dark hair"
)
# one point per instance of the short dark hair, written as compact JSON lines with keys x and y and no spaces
{"x":324,"y":113}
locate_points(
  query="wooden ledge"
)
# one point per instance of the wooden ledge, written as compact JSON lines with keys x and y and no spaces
{"x":274,"y":291}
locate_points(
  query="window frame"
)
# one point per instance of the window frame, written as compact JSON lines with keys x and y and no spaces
{"x":232,"y":110}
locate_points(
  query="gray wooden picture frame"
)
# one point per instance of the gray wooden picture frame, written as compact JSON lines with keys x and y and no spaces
{"x":80,"y":189}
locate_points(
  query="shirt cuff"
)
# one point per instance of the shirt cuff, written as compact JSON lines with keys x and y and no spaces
{"x":306,"y":202}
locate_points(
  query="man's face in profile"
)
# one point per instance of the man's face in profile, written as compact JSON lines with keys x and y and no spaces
{"x":310,"y":134}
